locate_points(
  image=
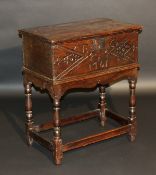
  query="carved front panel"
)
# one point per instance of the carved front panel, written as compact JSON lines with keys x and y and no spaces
{"x":93,"y":55}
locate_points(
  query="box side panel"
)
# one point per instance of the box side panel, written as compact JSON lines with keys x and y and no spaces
{"x":90,"y":56}
{"x":37,"y":56}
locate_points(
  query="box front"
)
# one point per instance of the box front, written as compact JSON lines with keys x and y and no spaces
{"x":91,"y":56}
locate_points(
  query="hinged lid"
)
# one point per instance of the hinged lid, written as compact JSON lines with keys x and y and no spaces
{"x":80,"y":29}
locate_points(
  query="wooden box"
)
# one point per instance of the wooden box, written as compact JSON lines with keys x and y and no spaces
{"x":82,"y":54}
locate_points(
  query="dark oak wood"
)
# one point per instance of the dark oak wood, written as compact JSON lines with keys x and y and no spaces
{"x":132,"y":110}
{"x":96,"y":138}
{"x":57,"y":141}
{"x":102,"y":105}
{"x":118,"y":118}
{"x":78,"y":118}
{"x":79,"y":30}
{"x":28,"y":110}
{"x":66,"y":121}
{"x":83,"y":54}
{"x":125,"y":128}
{"x":45,"y":143}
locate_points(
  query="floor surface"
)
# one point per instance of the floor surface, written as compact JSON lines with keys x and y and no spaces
{"x":112,"y":157}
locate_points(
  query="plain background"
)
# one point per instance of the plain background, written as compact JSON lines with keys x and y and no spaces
{"x":112,"y":157}
{"x":17,"y":14}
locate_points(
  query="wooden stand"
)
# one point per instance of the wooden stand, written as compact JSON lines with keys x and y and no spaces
{"x":128,"y":125}
{"x":83,"y":54}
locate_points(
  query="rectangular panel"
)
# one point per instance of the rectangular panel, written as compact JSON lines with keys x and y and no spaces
{"x":37,"y":56}
{"x":96,"y":138}
{"x":88,"y":56}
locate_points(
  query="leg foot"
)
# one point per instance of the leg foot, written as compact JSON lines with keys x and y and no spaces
{"x":57,"y":153}
{"x":133,"y":131}
{"x":29,"y":139}
{"x":102,"y":123}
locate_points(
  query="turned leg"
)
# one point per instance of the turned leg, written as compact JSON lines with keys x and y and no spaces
{"x":28,"y":110}
{"x":57,"y":141}
{"x":132,"y":110}
{"x":102,"y":105}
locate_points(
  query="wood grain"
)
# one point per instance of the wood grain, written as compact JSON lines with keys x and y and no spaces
{"x":96,"y":138}
{"x":77,"y":55}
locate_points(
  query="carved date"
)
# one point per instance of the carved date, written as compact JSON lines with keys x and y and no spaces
{"x":97,"y":63}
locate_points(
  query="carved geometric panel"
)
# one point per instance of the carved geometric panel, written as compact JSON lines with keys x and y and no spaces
{"x":92,"y":55}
